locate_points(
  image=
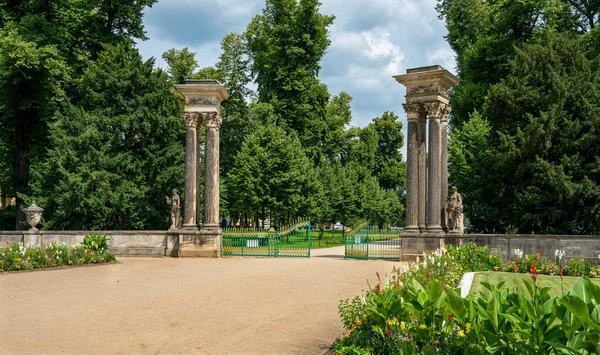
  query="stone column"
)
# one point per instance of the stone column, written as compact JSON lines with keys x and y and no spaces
{"x":192,"y":121}
{"x":412,"y":169}
{"x":422,"y":124}
{"x":444,"y":169}
{"x":211,"y":179}
{"x":434,"y":178}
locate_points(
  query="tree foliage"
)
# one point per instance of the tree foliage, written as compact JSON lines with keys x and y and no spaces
{"x":118,"y":152}
{"x":286,"y":44}
{"x":46,"y":46}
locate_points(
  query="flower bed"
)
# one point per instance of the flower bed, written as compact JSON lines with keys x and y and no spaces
{"x":418,"y":311}
{"x":93,"y":249}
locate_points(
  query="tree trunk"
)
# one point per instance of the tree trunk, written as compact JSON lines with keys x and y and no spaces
{"x":23,"y":177}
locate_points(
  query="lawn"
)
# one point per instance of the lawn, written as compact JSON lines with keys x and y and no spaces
{"x":516,"y":280}
{"x":330,"y":239}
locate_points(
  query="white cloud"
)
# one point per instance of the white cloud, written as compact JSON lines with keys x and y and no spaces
{"x":371,"y":40}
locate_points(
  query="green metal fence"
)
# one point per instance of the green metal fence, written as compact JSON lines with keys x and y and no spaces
{"x":367,"y":242}
{"x":292,"y":241}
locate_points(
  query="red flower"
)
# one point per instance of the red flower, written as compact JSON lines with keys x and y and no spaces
{"x":533,"y":272}
{"x":449,"y":316}
{"x":387,"y":332}
{"x":378,"y":287}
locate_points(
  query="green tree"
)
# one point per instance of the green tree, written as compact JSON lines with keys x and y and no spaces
{"x":271,"y":176}
{"x":389,"y":167}
{"x":286,"y":44}
{"x":46,"y":47}
{"x":546,"y":115}
{"x":181,"y":64}
{"x":118,"y":152}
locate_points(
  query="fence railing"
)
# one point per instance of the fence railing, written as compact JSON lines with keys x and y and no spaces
{"x":291,"y":241}
{"x":367,"y":242}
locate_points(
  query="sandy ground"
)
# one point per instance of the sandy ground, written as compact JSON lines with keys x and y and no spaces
{"x":183,"y":306}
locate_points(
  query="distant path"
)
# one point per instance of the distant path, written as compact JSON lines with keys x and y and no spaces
{"x":183,"y":306}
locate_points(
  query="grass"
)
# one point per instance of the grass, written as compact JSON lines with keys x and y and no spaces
{"x":330,"y":239}
{"x":516,"y":280}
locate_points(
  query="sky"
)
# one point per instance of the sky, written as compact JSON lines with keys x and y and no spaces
{"x":371,"y":41}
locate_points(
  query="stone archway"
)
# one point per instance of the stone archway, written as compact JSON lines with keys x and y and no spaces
{"x":202,"y":106}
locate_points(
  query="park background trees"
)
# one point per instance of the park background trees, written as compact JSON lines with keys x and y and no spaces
{"x":91,"y":131}
{"x":523,"y":147}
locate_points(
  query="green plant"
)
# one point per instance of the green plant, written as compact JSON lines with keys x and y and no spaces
{"x":475,"y":258}
{"x":578,"y":266}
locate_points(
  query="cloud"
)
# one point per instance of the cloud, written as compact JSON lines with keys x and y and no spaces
{"x":371,"y":40}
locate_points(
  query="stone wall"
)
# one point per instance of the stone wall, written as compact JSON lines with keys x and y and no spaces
{"x":505,"y":244}
{"x":122,"y":243}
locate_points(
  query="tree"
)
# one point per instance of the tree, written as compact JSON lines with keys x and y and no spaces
{"x":486,"y":35}
{"x":271,"y":176}
{"x":181,"y":64}
{"x":286,"y":44}
{"x":532,"y":164}
{"x":118,"y":152}
{"x":389,"y":168}
{"x":30,"y":93}
{"x":46,"y":47}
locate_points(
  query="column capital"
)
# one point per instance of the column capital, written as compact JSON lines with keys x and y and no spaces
{"x":447,"y":113}
{"x":414,"y":111}
{"x":192,"y":119}
{"x":213,"y":119}
{"x":437,"y":109}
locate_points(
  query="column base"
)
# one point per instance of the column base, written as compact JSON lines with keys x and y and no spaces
{"x":204,"y":243}
{"x":415,"y":245}
{"x":434,"y":230}
{"x":411,"y":230}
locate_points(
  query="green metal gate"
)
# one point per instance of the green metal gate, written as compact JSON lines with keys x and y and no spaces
{"x":362,"y":241}
{"x":292,"y":241}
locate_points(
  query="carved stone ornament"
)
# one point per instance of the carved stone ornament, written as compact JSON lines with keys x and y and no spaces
{"x":422,"y":90}
{"x":436,"y":109}
{"x":192,"y":119}
{"x":33,"y":214}
{"x":414,"y":110}
{"x":201,"y":100}
{"x":213,"y":119}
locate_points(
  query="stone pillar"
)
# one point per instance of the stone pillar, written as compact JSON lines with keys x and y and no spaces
{"x":444,"y":168}
{"x":211,"y":178}
{"x":412,"y":169}
{"x":192,"y":121}
{"x":422,"y":124}
{"x":202,"y":97}
{"x":434,"y":178}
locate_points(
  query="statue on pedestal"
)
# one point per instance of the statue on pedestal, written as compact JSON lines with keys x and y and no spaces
{"x":175,"y":203}
{"x":455,"y":208}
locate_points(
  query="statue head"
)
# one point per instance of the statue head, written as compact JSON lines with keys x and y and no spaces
{"x":174,"y":191}
{"x":454,"y":188}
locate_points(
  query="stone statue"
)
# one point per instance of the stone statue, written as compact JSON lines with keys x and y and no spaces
{"x":175,"y":203}
{"x":455,"y":207}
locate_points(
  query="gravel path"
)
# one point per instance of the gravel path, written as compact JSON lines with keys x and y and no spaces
{"x":183,"y":306}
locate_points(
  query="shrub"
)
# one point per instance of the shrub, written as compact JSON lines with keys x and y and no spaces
{"x":93,"y":249}
{"x":411,"y":319}
{"x":475,"y":258}
{"x":578,"y":266}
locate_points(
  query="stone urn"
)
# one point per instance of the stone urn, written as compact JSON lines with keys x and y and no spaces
{"x":33,"y":214}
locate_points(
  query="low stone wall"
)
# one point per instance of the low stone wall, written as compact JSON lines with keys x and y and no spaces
{"x":122,"y":243}
{"x":587,"y":246}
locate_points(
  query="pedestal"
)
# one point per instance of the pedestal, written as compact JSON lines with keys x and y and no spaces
{"x":204,"y":243}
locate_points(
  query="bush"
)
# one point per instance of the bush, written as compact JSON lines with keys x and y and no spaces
{"x":578,"y":266}
{"x":475,"y":258}
{"x":93,"y":249}
{"x":397,"y":318}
